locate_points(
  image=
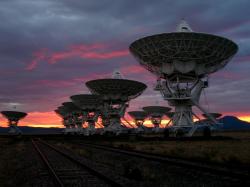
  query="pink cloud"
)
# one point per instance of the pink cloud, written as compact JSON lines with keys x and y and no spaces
{"x":107,"y":55}
{"x":32,"y":65}
{"x":37,"y":56}
{"x":92,"y":51}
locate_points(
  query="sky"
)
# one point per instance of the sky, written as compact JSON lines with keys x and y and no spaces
{"x":50,"y":48}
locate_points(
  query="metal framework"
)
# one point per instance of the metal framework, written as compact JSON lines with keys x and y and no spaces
{"x":75,"y":117}
{"x":182,"y":61}
{"x":90,"y":106}
{"x":155,"y":114}
{"x":139,"y":118}
{"x":64,"y":113}
{"x":115,"y":94}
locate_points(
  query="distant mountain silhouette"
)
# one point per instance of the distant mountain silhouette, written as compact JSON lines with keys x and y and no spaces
{"x":233,"y":123}
{"x":229,"y":123}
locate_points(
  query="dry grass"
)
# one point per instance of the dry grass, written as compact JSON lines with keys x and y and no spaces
{"x":235,"y":151}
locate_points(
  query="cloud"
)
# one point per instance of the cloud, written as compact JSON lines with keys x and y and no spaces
{"x":37,"y":56}
{"x":49,"y":49}
{"x":74,"y":51}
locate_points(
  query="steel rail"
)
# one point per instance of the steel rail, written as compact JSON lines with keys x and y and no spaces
{"x":94,"y":172}
{"x":56,"y":179}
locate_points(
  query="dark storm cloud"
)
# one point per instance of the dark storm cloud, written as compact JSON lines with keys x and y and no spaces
{"x":40,"y":68}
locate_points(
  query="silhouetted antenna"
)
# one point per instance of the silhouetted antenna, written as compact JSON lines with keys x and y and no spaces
{"x":183,"y":59}
{"x":115,"y":93}
{"x":13,"y":118}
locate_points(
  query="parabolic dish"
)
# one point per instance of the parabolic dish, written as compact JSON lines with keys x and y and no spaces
{"x":57,"y":111}
{"x":116,"y":89}
{"x":190,"y":53}
{"x":156,"y":110}
{"x":14,"y":114}
{"x":138,"y":115}
{"x":215,"y":115}
{"x":60,"y":113}
{"x":71,"y":107}
{"x":86,"y":101}
{"x":63,"y":110}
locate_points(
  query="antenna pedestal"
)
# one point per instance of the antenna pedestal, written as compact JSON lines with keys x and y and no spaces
{"x":91,"y":127}
{"x":115,"y":121}
{"x":14,"y":130}
{"x":156,"y":121}
{"x":183,"y":115}
{"x":139,"y":118}
{"x":182,"y":93}
{"x":79,"y":120}
{"x":67,"y":127}
{"x":140,"y":127}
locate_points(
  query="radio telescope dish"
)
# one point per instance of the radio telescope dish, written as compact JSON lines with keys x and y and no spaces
{"x":117,"y":90}
{"x":90,"y":105}
{"x":139,"y":118}
{"x":114,"y":94}
{"x":13,"y":119}
{"x":87,"y":102}
{"x":14,"y":115}
{"x":183,"y":53}
{"x":138,"y":115}
{"x":71,"y":107}
{"x":157,"y":111}
{"x":215,"y":115}
{"x":182,"y":62}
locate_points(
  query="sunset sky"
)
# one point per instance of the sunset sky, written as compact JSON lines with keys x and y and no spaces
{"x":50,"y":48}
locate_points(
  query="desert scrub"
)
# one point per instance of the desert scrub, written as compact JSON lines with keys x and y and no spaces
{"x":226,"y":151}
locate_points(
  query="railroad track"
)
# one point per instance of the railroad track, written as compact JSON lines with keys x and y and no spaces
{"x":214,"y":169}
{"x":66,"y":170}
